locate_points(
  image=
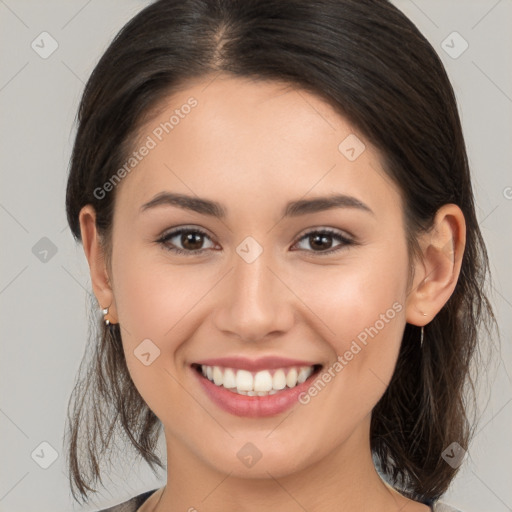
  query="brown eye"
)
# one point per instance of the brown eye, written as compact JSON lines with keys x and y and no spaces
{"x":191,"y":241}
{"x":320,"y":241}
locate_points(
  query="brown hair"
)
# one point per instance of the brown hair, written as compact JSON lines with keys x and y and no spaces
{"x":372,"y":64}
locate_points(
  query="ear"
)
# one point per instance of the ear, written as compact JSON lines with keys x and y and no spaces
{"x":436,"y":275}
{"x":95,"y":255}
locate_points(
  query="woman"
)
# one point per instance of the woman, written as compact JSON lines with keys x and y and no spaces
{"x":275,"y":204}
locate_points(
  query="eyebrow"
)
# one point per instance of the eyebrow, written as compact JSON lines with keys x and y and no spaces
{"x":292,"y":209}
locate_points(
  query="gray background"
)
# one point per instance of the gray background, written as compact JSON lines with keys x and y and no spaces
{"x":44,"y":296}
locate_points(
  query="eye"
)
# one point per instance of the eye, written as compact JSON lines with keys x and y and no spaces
{"x":322,"y":239}
{"x":190,"y":238}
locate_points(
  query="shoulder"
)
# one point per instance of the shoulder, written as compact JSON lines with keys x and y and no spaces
{"x":443,"y":507}
{"x":132,"y":504}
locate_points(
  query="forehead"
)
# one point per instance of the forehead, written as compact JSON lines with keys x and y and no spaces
{"x":257,"y":137}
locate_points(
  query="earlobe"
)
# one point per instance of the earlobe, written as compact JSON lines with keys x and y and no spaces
{"x":95,"y":255}
{"x":437,"y":273}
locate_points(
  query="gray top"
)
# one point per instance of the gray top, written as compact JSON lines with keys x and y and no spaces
{"x":133,"y":504}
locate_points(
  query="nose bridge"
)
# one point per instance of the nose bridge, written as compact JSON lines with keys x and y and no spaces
{"x":252,"y":281}
{"x":255,"y":303}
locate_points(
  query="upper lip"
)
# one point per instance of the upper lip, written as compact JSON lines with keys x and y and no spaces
{"x":254,"y":365}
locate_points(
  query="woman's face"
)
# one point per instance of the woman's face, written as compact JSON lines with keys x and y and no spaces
{"x":261,"y":290}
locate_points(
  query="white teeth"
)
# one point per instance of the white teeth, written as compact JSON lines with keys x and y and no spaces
{"x":263,"y":381}
{"x":304,"y":374}
{"x":244,"y":380}
{"x":279,"y":380}
{"x":260,"y":383}
{"x":291,"y":378}
{"x":217,"y":376}
{"x":229,"y":378}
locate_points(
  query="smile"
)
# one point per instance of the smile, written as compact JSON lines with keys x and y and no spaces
{"x":262,"y":383}
{"x":254,"y":389}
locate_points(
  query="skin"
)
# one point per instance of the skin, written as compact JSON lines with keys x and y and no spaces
{"x":291,"y":301}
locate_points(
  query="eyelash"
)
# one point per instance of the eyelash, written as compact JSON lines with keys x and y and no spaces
{"x":346,"y":242}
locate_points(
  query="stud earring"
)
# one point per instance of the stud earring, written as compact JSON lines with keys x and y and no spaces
{"x":105,"y":313}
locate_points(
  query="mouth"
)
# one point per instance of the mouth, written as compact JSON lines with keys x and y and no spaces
{"x":246,"y":392}
{"x":262,"y":383}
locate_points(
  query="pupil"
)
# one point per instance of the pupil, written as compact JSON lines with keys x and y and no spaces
{"x":188,"y":240}
{"x":322,"y":238}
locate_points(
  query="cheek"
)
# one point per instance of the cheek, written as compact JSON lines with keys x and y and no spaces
{"x":366,"y":291}
{"x":152,"y":296}
{"x":143,"y":298}
{"x":156,"y":305}
{"x":362,"y":310}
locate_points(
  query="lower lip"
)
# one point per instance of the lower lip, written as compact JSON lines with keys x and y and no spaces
{"x":253,"y":406}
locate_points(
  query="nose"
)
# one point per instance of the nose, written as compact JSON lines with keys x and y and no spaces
{"x":254,"y":302}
